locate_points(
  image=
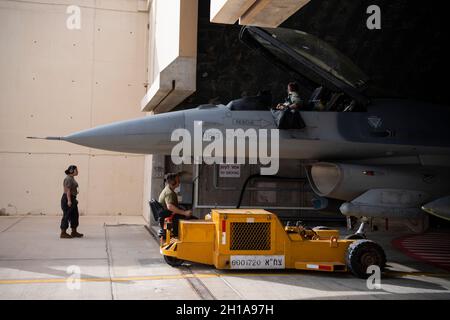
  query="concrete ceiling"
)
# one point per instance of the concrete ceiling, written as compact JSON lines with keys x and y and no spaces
{"x":262,"y":13}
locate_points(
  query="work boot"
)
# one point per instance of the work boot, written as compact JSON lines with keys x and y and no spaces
{"x":65,"y":235}
{"x":75,"y":234}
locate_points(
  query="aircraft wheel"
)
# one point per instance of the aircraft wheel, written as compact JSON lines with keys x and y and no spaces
{"x":172,"y":261}
{"x":363,"y":253}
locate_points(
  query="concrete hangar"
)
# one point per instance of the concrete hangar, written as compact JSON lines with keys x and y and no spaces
{"x":85,"y":64}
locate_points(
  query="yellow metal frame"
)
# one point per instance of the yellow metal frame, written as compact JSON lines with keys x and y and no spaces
{"x":205,"y":241}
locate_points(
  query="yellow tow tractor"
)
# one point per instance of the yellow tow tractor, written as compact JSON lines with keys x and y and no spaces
{"x":256,"y":239}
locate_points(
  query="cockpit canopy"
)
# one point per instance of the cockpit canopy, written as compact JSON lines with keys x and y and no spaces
{"x":309,"y":57}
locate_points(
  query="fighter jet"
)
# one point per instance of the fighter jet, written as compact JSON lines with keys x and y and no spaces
{"x":383,"y":158}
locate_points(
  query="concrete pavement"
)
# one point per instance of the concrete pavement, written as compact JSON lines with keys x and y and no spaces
{"x":119,"y":259}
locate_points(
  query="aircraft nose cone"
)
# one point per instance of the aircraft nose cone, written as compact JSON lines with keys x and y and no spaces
{"x":147,"y":135}
{"x":439,"y":207}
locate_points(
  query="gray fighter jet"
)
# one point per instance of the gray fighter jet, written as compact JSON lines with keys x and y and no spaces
{"x":386,"y":158}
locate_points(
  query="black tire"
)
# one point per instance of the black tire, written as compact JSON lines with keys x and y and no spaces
{"x":355,"y":236}
{"x":172,"y":261}
{"x":321,"y":228}
{"x":363,"y":253}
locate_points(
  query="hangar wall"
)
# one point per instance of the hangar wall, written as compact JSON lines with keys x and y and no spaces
{"x":55,"y":81}
{"x":288,"y":194}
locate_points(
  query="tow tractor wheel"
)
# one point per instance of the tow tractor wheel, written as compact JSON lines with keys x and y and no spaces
{"x":363,"y":253}
{"x":172,"y":261}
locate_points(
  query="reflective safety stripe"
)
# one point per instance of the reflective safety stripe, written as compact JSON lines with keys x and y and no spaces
{"x":224,"y":230}
{"x":319,"y":267}
{"x":327,"y":268}
{"x":224,"y":238}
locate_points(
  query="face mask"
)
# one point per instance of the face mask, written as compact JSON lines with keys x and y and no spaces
{"x":177,"y":189}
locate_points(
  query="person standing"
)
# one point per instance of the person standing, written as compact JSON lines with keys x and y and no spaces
{"x":69,"y":204}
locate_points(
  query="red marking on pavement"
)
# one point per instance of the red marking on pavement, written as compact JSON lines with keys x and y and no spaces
{"x":432,"y":248}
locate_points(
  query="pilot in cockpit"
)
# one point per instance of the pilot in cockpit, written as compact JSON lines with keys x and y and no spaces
{"x":287,"y":115}
{"x":293,"y":100}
